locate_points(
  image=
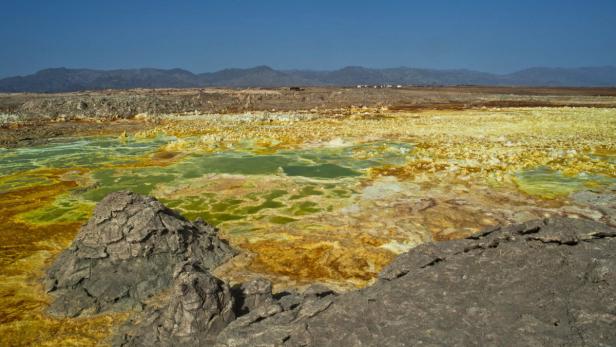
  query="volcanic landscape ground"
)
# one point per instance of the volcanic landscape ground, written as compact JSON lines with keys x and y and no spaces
{"x":322,"y":185}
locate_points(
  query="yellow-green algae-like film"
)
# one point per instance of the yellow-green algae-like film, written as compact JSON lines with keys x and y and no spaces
{"x":328,"y":198}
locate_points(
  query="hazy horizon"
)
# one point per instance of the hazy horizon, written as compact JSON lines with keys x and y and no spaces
{"x":302,"y":69}
{"x":207,"y":36}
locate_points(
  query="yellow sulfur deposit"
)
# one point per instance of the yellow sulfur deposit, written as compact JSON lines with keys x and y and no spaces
{"x":327,"y":197}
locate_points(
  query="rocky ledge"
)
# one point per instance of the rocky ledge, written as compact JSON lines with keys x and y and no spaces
{"x":545,"y":282}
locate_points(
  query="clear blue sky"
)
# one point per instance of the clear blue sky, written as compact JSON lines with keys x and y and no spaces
{"x":200,"y":36}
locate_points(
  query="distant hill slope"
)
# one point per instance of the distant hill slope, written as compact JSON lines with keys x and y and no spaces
{"x":67,"y":80}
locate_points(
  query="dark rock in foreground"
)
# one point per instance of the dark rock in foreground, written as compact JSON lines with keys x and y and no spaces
{"x":544,"y":283}
{"x":126,"y":253}
{"x":199,"y":307}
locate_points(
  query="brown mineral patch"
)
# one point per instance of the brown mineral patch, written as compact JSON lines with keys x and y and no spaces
{"x":164,"y":155}
{"x":353,"y":259}
{"x":456,"y":175}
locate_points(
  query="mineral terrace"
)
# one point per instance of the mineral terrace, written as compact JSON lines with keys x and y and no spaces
{"x":328,"y":216}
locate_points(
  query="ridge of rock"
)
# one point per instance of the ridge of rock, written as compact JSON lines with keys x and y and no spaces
{"x":546,"y":282}
{"x":543,"y":282}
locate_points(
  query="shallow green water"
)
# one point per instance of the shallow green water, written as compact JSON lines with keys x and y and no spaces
{"x":239,"y":187}
{"x":276,"y":188}
{"x":545,"y":183}
{"x":85,"y":152}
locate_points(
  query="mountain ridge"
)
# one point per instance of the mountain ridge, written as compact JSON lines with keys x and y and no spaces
{"x":68,"y":80}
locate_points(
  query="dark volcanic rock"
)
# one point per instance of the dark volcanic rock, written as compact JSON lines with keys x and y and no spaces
{"x":200,"y":306}
{"x":282,"y":319}
{"x":253,"y":294}
{"x":545,"y":282}
{"x":126,"y":253}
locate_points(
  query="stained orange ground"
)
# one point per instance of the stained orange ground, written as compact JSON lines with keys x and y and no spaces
{"x":475,"y":146}
{"x":25,"y":250}
{"x":350,"y":257}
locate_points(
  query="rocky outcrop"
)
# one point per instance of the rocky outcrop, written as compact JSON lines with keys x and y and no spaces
{"x":199,"y":307}
{"x":126,"y":253}
{"x":546,"y":282}
{"x":252,"y":294}
{"x":283,"y":318}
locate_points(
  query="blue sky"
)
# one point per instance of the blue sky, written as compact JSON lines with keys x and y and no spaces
{"x":201,"y":36}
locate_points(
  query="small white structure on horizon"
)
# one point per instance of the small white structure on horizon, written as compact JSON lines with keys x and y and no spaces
{"x":379,"y":86}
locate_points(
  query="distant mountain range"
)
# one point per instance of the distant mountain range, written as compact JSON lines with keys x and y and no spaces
{"x":68,"y":80}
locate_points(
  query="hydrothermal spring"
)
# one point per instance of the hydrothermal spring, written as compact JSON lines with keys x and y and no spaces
{"x":323,"y":205}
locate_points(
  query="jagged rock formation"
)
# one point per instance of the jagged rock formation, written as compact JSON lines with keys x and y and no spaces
{"x":283,"y":318}
{"x":126,"y":253}
{"x":199,"y":307}
{"x":253,"y":294}
{"x":546,"y":282}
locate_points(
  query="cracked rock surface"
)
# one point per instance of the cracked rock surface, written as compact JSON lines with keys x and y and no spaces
{"x":126,"y":253}
{"x":545,"y":282}
{"x":199,"y":307}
